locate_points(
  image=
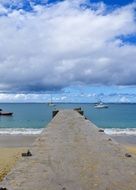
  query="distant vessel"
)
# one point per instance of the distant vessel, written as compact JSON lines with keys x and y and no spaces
{"x":101,"y":105}
{"x":6,"y":113}
{"x":51,"y":102}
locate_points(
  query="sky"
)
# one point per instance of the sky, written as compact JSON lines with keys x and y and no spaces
{"x":76,"y":50}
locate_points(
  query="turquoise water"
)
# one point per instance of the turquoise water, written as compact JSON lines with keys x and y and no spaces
{"x":25,"y":115}
{"x":32,"y":117}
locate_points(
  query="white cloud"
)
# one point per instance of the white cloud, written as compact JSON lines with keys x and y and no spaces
{"x":124,"y":99}
{"x":63,"y":44}
{"x":24,"y":97}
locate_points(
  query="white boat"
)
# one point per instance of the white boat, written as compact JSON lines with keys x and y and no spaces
{"x":51,"y":102}
{"x":101,"y":105}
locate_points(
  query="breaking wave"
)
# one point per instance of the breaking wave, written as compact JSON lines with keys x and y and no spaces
{"x":20,"y":131}
{"x":32,"y":131}
{"x":119,"y":131}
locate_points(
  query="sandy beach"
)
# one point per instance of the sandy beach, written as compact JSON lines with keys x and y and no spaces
{"x":127,"y":141}
{"x":11,"y":147}
{"x":8,"y":158}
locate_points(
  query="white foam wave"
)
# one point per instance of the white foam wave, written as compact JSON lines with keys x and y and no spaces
{"x":20,"y":131}
{"x":31,"y":131}
{"x":118,"y":131}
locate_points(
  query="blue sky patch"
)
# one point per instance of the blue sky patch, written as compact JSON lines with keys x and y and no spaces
{"x":114,"y":2}
{"x":26,"y":4}
{"x":129,"y":39}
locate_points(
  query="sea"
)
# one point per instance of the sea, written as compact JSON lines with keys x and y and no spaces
{"x":31,"y":118}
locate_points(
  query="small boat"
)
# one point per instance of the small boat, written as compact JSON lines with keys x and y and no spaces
{"x":6,"y":113}
{"x":101,"y":105}
{"x":51,"y":104}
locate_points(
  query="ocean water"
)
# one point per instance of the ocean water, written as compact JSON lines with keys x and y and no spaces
{"x":31,"y":118}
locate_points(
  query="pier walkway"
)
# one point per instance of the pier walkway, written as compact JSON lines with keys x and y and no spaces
{"x":71,"y":154}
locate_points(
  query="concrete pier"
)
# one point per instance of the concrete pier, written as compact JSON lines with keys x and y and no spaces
{"x":72,"y":154}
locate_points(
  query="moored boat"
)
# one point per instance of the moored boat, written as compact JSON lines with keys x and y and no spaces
{"x":51,"y":104}
{"x":6,"y":113}
{"x":101,"y":105}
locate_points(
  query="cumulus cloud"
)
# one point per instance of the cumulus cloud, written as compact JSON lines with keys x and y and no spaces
{"x":66,"y":43}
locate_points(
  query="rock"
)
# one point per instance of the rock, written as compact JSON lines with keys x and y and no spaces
{"x":128,"y":155}
{"x":78,"y":109}
{"x":101,"y":130}
{"x":28,"y":153}
{"x":109,"y":139}
{"x":3,"y":188}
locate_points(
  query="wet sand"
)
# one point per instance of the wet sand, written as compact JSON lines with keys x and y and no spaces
{"x":27,"y":140}
{"x":17,"y":140}
{"x":127,"y":141}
